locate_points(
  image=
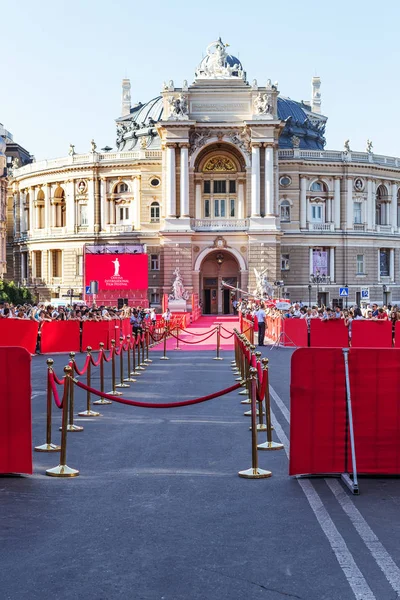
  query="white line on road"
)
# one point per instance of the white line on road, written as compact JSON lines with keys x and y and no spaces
{"x":355,"y":578}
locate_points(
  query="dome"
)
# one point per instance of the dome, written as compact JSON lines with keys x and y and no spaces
{"x":301,"y":122}
{"x":219,"y":64}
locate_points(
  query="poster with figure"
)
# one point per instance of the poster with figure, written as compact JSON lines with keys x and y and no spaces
{"x":320,"y":262}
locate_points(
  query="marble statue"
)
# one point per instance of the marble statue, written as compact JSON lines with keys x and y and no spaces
{"x":178,"y":289}
{"x":263,"y":104}
{"x":369,"y":147}
{"x":347,"y":146}
{"x":93,"y":146}
{"x":179,"y":107}
{"x":263,"y":288}
{"x":71,"y":150}
{"x":295,"y":141}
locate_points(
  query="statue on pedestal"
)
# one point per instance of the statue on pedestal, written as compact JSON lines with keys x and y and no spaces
{"x":178,"y":289}
{"x":263,"y":288}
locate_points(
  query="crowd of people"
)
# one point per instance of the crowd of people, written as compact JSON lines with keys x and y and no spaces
{"x":260,"y":310}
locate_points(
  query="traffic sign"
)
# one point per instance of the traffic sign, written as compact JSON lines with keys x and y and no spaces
{"x":344,"y":292}
{"x":87,"y":290}
{"x":365,"y":294}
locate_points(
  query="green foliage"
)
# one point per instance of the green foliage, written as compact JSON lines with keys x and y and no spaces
{"x":9,"y":292}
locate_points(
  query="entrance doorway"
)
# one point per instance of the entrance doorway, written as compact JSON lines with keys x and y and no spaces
{"x":217,"y":267}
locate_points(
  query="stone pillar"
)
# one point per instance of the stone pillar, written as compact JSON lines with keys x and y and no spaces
{"x":171,"y":182}
{"x":336,"y":202}
{"x":91,"y":204}
{"x":199,"y":211}
{"x":311,"y":262}
{"x":328,"y":210}
{"x":70,"y":205}
{"x":22,"y":199}
{"x":255,"y":180}
{"x":184,"y":180}
{"x":136,"y":192}
{"x":96,"y":202}
{"x":349,"y":204}
{"x":369,"y":205}
{"x":32,"y":209}
{"x":379,"y":264}
{"x":393,"y":216}
{"x":241,"y":213}
{"x":47,"y":206}
{"x":391,"y":264}
{"x":103,"y":201}
{"x":332,"y":264}
{"x":53,"y":221}
{"x":303,"y":201}
{"x":269,"y":180}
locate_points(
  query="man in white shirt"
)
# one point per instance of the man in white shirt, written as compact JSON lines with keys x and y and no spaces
{"x":260,"y":316}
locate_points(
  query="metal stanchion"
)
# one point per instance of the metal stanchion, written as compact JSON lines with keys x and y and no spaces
{"x":139,"y":366}
{"x":261,"y":426}
{"x":269,"y":444}
{"x":134,"y":370}
{"x":165,"y":357}
{"x":71,"y":426}
{"x":143,"y":362}
{"x":62,"y":470}
{"x":88,"y":412}
{"x":113,"y":392}
{"x":147,"y":359}
{"x":49,"y":446}
{"x":177,"y":337}
{"x":218,"y":357}
{"x":102,"y":400}
{"x":129,"y":378}
{"x":121,"y":383}
{"x":246,"y":381}
{"x":254,"y":472}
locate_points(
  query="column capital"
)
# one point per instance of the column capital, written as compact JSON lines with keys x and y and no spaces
{"x":303,"y":176}
{"x":338,"y":177}
{"x":171,"y":144}
{"x":256,"y":145}
{"x":184,"y":145}
{"x":268,"y":144}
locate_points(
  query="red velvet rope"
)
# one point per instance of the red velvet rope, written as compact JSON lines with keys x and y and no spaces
{"x":198,"y":334}
{"x":85,"y":366}
{"x":96,"y":363}
{"x":150,"y":405}
{"x":52,"y":383}
{"x":109,"y":356}
{"x":57,"y":380}
{"x":262,"y":387}
{"x":226,"y":337}
{"x":187,"y":342}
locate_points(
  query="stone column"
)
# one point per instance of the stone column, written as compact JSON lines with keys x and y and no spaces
{"x":22,"y":199}
{"x":336,"y":202}
{"x":369,"y":205}
{"x":332,"y":264}
{"x":349,"y":204}
{"x":311,"y":262}
{"x":91,"y":204}
{"x":136,"y":192}
{"x":171,"y":182}
{"x":184,"y":180}
{"x":269,"y":180}
{"x":391,"y":264}
{"x":97,"y":201}
{"x":393,"y":216}
{"x":32,"y":209}
{"x":70,"y":205}
{"x":199,"y":211}
{"x":303,"y":201}
{"x":241,"y":213}
{"x":103,"y":200}
{"x":328,"y":210}
{"x":255,"y":180}
{"x":379,"y":264}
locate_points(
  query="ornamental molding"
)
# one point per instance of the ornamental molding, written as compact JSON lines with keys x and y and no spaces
{"x":219,"y":164}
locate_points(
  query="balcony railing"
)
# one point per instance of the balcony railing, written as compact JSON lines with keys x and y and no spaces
{"x":121,"y":228}
{"x":219,"y":224}
{"x":321,"y":227}
{"x":359,"y":226}
{"x":384,"y":228}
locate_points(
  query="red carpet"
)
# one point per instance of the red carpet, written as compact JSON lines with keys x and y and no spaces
{"x":204,"y":326}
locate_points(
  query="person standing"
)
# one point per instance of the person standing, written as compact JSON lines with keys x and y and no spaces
{"x":260,"y":315}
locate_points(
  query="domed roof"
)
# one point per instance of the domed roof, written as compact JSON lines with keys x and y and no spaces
{"x":219,"y":64}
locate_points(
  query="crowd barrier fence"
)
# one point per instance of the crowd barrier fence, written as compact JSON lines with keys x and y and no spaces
{"x":18,"y":332}
{"x":60,"y":336}
{"x":328,"y":334}
{"x":371,"y":334}
{"x":15,"y":411}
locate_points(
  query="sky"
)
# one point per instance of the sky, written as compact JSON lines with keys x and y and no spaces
{"x":62,"y":62}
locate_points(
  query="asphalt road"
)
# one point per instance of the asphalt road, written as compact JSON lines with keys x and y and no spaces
{"x":159,"y":513}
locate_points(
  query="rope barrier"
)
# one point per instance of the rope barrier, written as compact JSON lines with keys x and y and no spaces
{"x":197,"y":334}
{"x":188,"y":342}
{"x":59,"y":403}
{"x":85,"y":366}
{"x":163,"y":405}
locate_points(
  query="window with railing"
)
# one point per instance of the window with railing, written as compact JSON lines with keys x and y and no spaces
{"x":357,"y":213}
{"x":285,"y":211}
{"x":219,"y":199}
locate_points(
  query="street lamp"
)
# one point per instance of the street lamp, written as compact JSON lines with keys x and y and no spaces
{"x":59,"y":291}
{"x":384,"y":289}
{"x":309,"y":294}
{"x":317,"y":278}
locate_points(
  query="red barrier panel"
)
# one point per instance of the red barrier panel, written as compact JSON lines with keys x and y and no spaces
{"x":328,"y":334}
{"x":15,"y":411}
{"x":114,"y":331}
{"x":318,"y":411}
{"x":295,"y":333}
{"x":371,"y":334}
{"x":375,"y":396}
{"x":60,"y":336}
{"x":397,"y":334}
{"x":94,"y":332}
{"x":19,"y":332}
{"x":126,"y":327}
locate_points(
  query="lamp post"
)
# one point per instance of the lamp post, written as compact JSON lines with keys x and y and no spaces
{"x":317,"y":279}
{"x":309,"y":294}
{"x":384,"y":290}
{"x":59,"y":291}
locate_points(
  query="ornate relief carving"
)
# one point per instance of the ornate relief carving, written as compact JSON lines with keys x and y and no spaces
{"x":219,"y":164}
{"x":179,"y":110}
{"x":263,"y":104}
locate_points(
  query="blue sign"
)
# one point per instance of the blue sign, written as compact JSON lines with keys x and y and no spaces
{"x":344,"y":292}
{"x":87,"y":290}
{"x":365,"y":294}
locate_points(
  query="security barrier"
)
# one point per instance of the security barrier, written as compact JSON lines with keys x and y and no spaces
{"x":60,"y":336}
{"x":371,"y":334}
{"x":328,"y":334}
{"x":19,"y":332}
{"x":15,"y":411}
{"x":294,"y":333}
{"x":94,"y":333}
{"x":344,"y":417}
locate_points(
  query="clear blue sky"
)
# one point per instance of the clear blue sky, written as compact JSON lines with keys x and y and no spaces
{"x":62,"y":62}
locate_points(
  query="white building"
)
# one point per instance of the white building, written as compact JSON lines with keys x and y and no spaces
{"x":217,"y":177}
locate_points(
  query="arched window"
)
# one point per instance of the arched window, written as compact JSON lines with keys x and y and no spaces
{"x":381,"y":205}
{"x":318,"y":186}
{"x":40,"y":210}
{"x":121,"y":188}
{"x":154,"y":212}
{"x":285,"y":211}
{"x":59,"y":216}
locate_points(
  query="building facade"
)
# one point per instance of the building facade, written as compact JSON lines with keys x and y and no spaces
{"x":219,"y":177}
{"x":3,"y":207}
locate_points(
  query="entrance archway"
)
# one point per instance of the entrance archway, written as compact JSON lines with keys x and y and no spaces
{"x":218,"y":266}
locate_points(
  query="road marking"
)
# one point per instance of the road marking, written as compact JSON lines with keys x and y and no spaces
{"x":354,"y":577}
{"x":382,"y":557}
